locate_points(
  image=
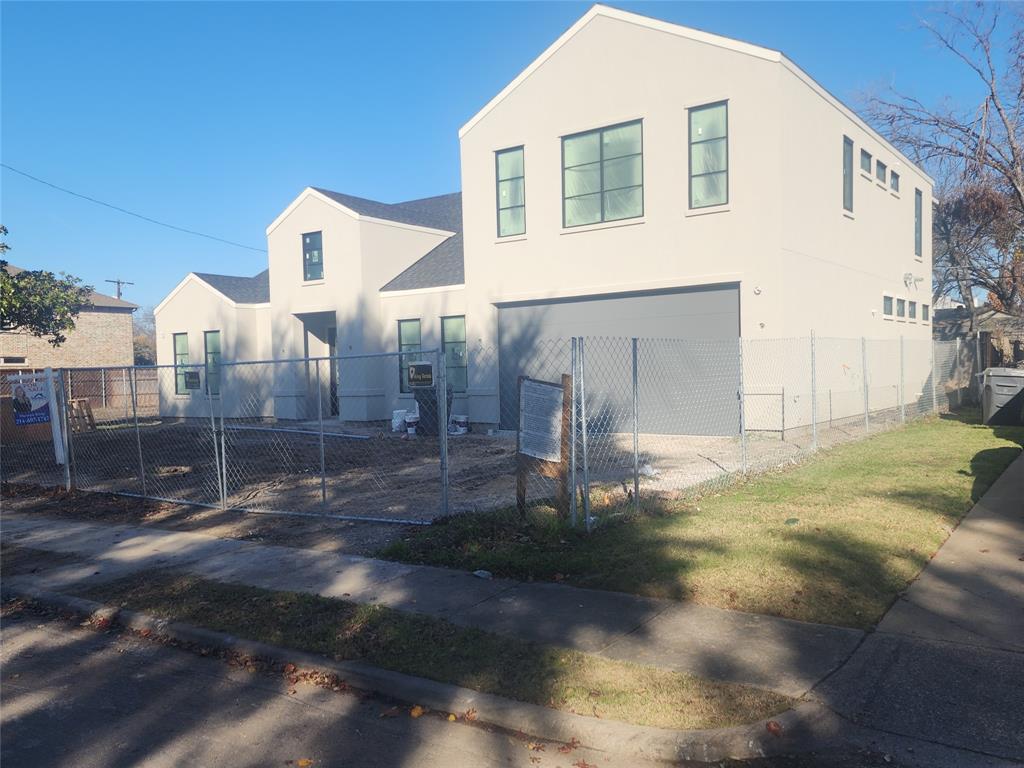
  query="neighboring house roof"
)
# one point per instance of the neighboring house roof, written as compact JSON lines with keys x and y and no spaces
{"x":99,"y":300}
{"x":949,"y":324}
{"x":241,"y":290}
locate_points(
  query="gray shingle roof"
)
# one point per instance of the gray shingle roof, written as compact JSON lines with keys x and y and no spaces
{"x":241,"y":290}
{"x":440,"y":212}
{"x":441,"y":266}
{"x":99,"y":300}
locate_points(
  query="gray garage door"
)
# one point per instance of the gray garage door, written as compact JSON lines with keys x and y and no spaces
{"x":688,"y":356}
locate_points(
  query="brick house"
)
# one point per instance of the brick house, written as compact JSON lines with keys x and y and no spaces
{"x":102,"y":337}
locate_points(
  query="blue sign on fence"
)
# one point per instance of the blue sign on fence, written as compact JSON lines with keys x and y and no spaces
{"x":31,"y":403}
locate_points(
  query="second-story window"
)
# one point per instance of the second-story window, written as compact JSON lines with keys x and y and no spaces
{"x":603,"y":175}
{"x":511,"y":177}
{"x":918,"y":213}
{"x":848,"y":173}
{"x":865,"y":161}
{"x":313,"y":256}
{"x":709,"y":155}
{"x":894,"y":181}
{"x":880,"y":171}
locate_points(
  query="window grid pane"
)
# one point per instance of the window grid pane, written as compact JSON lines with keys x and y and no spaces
{"x":453,"y":342}
{"x":709,"y":155}
{"x":211,"y":344}
{"x":511,"y":191}
{"x":312,"y":256}
{"x":180,"y":359}
{"x":602,"y":175}
{"x":409,"y":341}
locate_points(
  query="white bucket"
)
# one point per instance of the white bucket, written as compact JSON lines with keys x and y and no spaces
{"x":461,"y":423}
{"x":411,"y":422}
{"x":398,"y":420}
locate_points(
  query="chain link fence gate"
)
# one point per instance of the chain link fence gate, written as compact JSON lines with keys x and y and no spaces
{"x":652,"y":420}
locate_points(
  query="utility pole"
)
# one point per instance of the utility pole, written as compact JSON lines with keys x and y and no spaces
{"x":119,"y":282}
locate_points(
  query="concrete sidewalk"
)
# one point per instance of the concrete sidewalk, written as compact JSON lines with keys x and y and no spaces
{"x":946,"y":663}
{"x":782,"y":655}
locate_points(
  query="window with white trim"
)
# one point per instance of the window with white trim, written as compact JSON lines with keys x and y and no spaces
{"x":901,"y":308}
{"x":511,"y":191}
{"x":887,"y":306}
{"x":865,"y":161}
{"x":912,"y":310}
{"x":603,"y":175}
{"x":709,"y":155}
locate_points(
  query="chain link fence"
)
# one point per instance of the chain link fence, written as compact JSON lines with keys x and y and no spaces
{"x":650,"y":419}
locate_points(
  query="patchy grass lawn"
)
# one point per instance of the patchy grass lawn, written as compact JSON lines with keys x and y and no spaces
{"x":831,"y":541}
{"x":435,"y":649}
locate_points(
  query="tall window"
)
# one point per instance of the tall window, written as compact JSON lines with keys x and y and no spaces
{"x":409,"y":341}
{"x":211,"y":348}
{"x":313,"y":256}
{"x":603,"y":175}
{"x":880,"y":171}
{"x":887,"y":306}
{"x":918,"y":200}
{"x":848,"y":173}
{"x":180,"y":359}
{"x":894,"y":181}
{"x":709,"y":155}
{"x":511,"y":176}
{"x":453,"y":341}
{"x":901,"y":307}
{"x":865,"y":160}
{"x":924,"y":312}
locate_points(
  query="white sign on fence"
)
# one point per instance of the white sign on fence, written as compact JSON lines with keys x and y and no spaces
{"x":34,"y":401}
{"x":540,"y":419}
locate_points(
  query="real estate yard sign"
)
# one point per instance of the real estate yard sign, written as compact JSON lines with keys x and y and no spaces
{"x":34,"y":401}
{"x":542,"y":442}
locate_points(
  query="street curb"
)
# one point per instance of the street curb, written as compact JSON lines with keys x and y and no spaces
{"x":806,"y":727}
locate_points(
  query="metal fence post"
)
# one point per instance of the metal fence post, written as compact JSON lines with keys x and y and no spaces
{"x":320,"y":422}
{"x":66,"y":430}
{"x":783,"y":395}
{"x":636,"y":432}
{"x":71,"y":474}
{"x":935,"y":386}
{"x":218,"y":440}
{"x":583,"y":424}
{"x":124,"y":390}
{"x":138,"y":436}
{"x":814,"y":399}
{"x":442,"y":427}
{"x":864,"y":376}
{"x":572,"y":440}
{"x":903,"y":394}
{"x":976,"y":368}
{"x":743,"y":413}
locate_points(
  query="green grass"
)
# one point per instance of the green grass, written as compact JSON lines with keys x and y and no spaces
{"x":435,"y":649}
{"x":863,"y":520}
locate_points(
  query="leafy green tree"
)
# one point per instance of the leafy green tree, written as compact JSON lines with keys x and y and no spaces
{"x":39,"y":302}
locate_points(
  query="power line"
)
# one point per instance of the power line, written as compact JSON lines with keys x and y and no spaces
{"x":130,"y":213}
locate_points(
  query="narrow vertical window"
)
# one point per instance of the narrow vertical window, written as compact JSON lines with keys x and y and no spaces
{"x":865,"y":161}
{"x":901,"y":307}
{"x":894,"y":181}
{"x":510,"y":171}
{"x":409,"y":341}
{"x":709,"y":155}
{"x":313,"y":256}
{"x":180,"y":360}
{"x":848,"y":173}
{"x":918,"y":201}
{"x":924,"y":313}
{"x":603,"y":175}
{"x":211,"y":348}
{"x":881,"y":169}
{"x":887,"y":306}
{"x":912,"y":310}
{"x":453,"y":342}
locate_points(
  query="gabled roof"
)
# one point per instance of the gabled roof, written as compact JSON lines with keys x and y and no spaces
{"x":100,"y":300}
{"x":444,"y":265}
{"x":241,"y":290}
{"x":689,"y":33}
{"x":439,"y":212}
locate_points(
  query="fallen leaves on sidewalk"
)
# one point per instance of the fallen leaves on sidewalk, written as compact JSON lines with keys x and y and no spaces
{"x":774,"y":727}
{"x":391,"y":712}
{"x":565,"y":749}
{"x":417,"y":711}
{"x":470,"y":715}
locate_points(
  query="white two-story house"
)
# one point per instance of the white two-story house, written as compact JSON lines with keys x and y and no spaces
{"x":638,"y":179}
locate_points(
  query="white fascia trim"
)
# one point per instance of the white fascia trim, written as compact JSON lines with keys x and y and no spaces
{"x":632,"y":18}
{"x":261,"y":305}
{"x":192,"y":277}
{"x":310,"y":192}
{"x":596,"y":290}
{"x":418,"y":291}
{"x":850,"y":114}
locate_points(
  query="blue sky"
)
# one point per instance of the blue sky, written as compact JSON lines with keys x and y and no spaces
{"x":213,"y":116}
